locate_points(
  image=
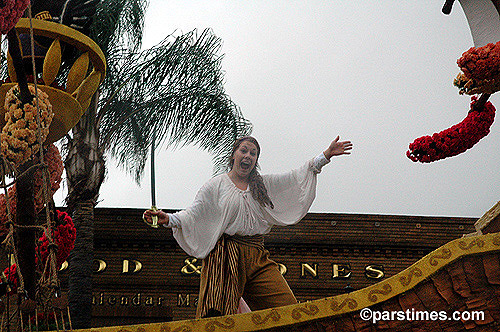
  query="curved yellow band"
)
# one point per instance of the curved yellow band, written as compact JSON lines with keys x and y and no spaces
{"x":68,"y":35}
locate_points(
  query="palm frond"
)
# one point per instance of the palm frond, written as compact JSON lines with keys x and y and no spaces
{"x":173,"y":91}
{"x":118,"y":25}
{"x":4,"y":73}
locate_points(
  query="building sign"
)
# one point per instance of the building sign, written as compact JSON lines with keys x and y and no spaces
{"x":135,"y":300}
{"x":192,"y":266}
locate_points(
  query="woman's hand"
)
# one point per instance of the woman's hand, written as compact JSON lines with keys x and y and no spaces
{"x":162,"y":217}
{"x":337,"y":148}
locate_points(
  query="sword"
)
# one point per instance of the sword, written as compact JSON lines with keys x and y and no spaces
{"x":154,"y":219}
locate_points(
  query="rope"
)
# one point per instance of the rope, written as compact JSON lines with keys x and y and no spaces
{"x":9,"y":241}
{"x":35,"y":227}
{"x":49,"y":275}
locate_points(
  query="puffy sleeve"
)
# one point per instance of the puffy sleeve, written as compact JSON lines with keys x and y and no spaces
{"x":292,"y":193}
{"x":198,"y":227}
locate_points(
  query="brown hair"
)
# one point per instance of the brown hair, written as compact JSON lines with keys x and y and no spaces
{"x":255,"y":182}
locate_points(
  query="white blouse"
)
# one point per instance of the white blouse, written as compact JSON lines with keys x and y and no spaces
{"x":220,"y":207}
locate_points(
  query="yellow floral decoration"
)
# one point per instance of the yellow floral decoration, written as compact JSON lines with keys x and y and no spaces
{"x":19,"y":136}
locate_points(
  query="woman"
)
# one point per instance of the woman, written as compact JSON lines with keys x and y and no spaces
{"x":225,"y":224}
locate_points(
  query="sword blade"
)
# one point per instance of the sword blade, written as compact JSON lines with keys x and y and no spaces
{"x":153,"y":179}
{"x":154,"y":219}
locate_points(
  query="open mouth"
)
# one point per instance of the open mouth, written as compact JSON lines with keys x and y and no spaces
{"x":245,"y":164}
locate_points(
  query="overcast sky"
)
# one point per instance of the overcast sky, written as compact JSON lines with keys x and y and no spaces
{"x":379,"y":73}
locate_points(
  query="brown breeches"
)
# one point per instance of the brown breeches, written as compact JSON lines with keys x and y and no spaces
{"x":258,"y":279}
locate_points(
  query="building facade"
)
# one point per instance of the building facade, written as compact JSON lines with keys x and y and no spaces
{"x":142,"y":275}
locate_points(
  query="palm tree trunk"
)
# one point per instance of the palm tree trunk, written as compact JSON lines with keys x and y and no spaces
{"x":80,"y":265}
{"x":85,"y":170}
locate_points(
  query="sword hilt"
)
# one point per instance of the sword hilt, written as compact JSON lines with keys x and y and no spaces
{"x":154,"y":219}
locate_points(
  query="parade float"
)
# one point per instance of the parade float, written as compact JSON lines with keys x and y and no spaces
{"x":461,"y":276}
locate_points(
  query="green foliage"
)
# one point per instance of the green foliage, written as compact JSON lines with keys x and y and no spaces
{"x":118,"y":26}
{"x":172,"y":91}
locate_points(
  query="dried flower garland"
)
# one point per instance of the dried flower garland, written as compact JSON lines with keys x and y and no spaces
{"x":19,"y":136}
{"x":454,"y":140}
{"x":481,"y":70}
{"x":55,"y":165}
{"x":63,"y":235}
{"x":10,"y":13}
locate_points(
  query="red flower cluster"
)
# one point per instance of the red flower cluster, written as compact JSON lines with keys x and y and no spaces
{"x":482,"y":63}
{"x":43,"y":317}
{"x":63,"y":235}
{"x":454,"y":140}
{"x":10,"y":13}
{"x":11,"y":274}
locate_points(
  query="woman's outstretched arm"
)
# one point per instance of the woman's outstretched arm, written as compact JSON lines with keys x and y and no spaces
{"x":337,"y":148}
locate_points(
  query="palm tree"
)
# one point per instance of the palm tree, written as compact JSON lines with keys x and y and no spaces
{"x":172,"y":92}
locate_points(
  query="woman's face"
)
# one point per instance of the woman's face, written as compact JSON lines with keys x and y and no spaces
{"x":244,"y":159}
